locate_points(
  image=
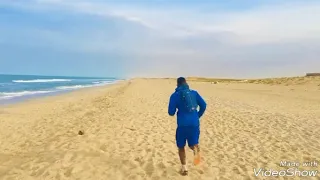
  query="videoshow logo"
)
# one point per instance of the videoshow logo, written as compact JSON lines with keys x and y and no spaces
{"x":292,"y":170}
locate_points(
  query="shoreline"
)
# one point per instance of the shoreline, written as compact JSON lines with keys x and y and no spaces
{"x":28,"y":98}
{"x":50,"y":96}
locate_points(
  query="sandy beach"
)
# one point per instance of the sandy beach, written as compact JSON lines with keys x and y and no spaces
{"x":128,"y":133}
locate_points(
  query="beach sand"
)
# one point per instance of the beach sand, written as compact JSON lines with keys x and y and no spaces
{"x":128,"y":133}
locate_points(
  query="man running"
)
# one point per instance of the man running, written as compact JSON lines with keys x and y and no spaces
{"x":188,"y":120}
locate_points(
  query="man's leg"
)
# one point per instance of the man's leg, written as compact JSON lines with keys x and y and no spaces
{"x":193,"y":142}
{"x":181,"y":142}
{"x":182,"y":155}
{"x":196,"y":153}
{"x":195,"y":147}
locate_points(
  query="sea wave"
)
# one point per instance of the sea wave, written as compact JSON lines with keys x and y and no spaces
{"x":9,"y":95}
{"x":73,"y":87}
{"x":41,"y":80}
{"x":104,"y":82}
{"x":94,"y":84}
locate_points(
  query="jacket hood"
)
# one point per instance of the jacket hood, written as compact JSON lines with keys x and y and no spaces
{"x":182,"y":87}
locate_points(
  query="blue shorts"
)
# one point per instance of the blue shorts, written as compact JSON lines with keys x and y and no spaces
{"x":188,"y":133}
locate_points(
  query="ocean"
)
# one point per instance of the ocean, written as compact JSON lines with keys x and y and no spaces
{"x":15,"y":88}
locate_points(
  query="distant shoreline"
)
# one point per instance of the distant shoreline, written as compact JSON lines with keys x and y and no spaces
{"x":16,"y":88}
{"x":22,"y":99}
{"x":286,"y":81}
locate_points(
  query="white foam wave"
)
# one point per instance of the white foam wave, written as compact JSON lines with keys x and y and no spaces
{"x":103,"y":82}
{"x":9,"y":95}
{"x":73,"y":87}
{"x":41,"y":80}
{"x":95,"y":84}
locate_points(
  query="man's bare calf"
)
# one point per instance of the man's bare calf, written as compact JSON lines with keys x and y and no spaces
{"x":182,"y":155}
{"x":196,"y":153}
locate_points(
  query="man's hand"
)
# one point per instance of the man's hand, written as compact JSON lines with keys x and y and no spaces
{"x":202,"y":105}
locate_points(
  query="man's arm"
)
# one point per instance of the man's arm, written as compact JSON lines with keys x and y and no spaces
{"x":172,"y":105}
{"x":202,"y":105}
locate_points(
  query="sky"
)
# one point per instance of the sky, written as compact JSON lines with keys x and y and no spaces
{"x":160,"y":38}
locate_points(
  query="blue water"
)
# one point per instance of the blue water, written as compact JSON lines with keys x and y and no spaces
{"x":20,"y":87}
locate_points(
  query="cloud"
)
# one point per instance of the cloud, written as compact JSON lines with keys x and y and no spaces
{"x":266,"y":23}
{"x":179,"y":38}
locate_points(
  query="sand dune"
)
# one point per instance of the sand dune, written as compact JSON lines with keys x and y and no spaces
{"x":128,"y":134}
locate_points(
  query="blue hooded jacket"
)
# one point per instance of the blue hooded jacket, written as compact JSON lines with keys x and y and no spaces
{"x":185,"y":118}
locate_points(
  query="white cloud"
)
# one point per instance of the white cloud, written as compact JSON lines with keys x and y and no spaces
{"x":170,"y":40}
{"x":278,"y":24}
{"x":265,"y":24}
